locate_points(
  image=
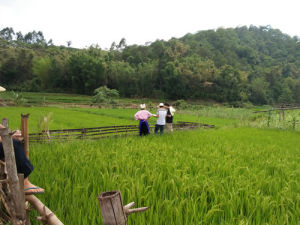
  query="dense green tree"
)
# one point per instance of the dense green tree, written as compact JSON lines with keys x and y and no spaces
{"x":257,"y":64}
{"x":85,"y":73}
{"x":9,"y":72}
{"x":229,"y":84}
{"x":7,"y":34}
{"x":146,"y":73}
{"x":41,"y":69}
{"x":259,"y":91}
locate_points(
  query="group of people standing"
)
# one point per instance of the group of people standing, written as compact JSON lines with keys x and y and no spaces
{"x":164,"y":116}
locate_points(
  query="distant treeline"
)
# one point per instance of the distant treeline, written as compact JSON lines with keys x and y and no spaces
{"x":253,"y":64}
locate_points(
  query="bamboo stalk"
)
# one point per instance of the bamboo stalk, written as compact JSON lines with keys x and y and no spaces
{"x":46,"y":214}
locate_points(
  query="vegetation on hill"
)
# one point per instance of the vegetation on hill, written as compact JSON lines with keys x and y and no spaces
{"x":253,"y":64}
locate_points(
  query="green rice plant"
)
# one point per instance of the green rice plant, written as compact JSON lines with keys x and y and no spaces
{"x":44,"y":123}
{"x":219,"y":176}
{"x":18,"y":98}
{"x":62,"y":118}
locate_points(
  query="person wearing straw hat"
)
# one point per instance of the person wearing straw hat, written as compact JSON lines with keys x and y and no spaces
{"x":23,"y":164}
{"x":161,"y":119}
{"x":143,"y":115}
{"x":2,"y":89}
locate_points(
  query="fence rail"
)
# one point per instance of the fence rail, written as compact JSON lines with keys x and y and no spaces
{"x":277,"y":109}
{"x":101,"y":132}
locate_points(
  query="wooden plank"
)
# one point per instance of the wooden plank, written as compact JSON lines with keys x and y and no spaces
{"x":276,"y":109}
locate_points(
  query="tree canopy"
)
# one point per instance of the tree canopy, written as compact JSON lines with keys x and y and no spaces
{"x":244,"y":64}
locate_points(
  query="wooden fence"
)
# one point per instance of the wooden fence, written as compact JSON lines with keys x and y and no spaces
{"x":101,"y":132}
{"x":281,"y":114}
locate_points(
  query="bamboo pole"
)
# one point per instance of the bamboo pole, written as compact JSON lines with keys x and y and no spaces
{"x":21,"y":183}
{"x":47,"y":216}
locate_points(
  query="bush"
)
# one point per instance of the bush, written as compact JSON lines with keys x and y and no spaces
{"x":105,"y":95}
{"x":18,"y":98}
{"x":181,"y":104}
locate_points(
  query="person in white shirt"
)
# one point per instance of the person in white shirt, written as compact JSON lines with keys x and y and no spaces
{"x":161,"y":119}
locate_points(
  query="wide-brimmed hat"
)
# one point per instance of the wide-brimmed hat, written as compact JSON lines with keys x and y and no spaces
{"x":143,"y":106}
{"x":2,"y":89}
{"x":161,"y":105}
{"x":172,"y":110}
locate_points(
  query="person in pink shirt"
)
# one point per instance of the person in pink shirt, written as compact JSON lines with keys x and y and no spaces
{"x":143,"y":115}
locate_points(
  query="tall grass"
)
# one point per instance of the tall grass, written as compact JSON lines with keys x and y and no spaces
{"x":224,"y":176}
{"x":291,"y":120}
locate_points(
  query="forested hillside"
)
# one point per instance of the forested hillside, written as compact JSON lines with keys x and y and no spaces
{"x":246,"y":64}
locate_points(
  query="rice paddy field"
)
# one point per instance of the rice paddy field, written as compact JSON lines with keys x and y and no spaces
{"x":241,"y":172}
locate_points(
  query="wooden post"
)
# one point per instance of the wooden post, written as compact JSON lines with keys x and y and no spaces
{"x":3,"y":174}
{"x":25,"y":133}
{"x":5,"y":122}
{"x":279,"y":113}
{"x":83,"y":133}
{"x":269,"y":118}
{"x":112,"y":209}
{"x":15,"y":193}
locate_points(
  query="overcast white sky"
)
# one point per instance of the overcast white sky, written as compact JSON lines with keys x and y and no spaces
{"x":87,"y":22}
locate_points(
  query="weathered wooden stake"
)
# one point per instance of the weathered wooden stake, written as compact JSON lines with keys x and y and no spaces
{"x":111,"y":206}
{"x":25,"y":133}
{"x":112,"y":209}
{"x":5,"y":122}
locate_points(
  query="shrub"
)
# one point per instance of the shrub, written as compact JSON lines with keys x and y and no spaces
{"x":105,"y":95}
